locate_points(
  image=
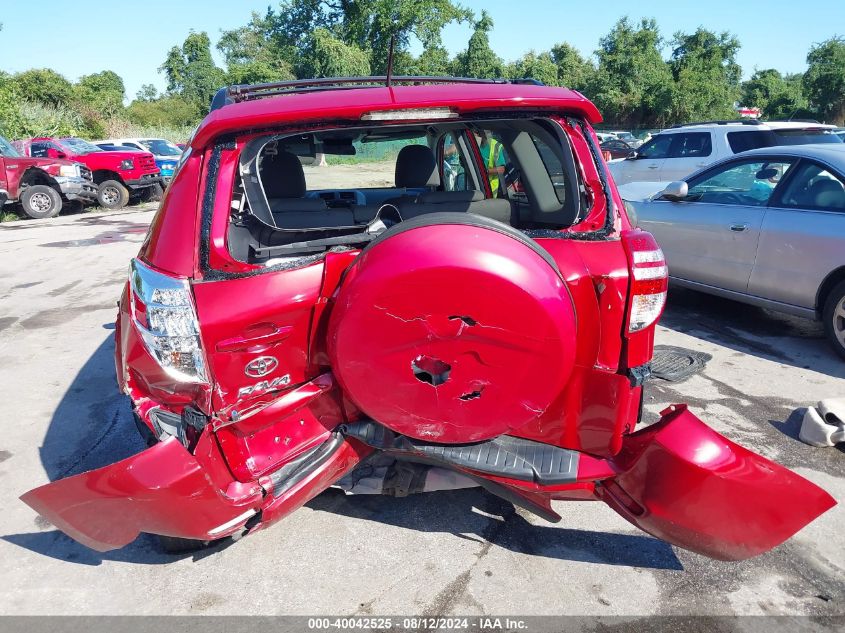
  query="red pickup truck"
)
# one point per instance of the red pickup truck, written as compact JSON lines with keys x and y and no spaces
{"x":118,"y":175}
{"x":42,"y":185}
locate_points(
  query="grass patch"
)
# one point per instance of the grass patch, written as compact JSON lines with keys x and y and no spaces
{"x":9,"y":216}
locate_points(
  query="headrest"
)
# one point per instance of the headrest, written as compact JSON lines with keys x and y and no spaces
{"x":282,"y":176}
{"x":828,"y":194}
{"x":416,"y":167}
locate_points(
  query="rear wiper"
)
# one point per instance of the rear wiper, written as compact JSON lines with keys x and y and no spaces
{"x":310,"y":246}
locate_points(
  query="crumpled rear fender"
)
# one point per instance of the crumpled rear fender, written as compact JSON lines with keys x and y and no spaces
{"x":684,"y":483}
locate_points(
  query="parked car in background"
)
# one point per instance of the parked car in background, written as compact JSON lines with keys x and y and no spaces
{"x":118,"y":175}
{"x":605,"y":136}
{"x":166,"y":153}
{"x":840,"y":132}
{"x":679,"y":151}
{"x":766,"y":227}
{"x":42,"y":185}
{"x":617,"y":148}
{"x":279,"y":328}
{"x":628,"y":137}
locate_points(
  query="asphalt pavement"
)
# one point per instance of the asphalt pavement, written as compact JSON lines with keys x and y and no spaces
{"x":460,"y":552}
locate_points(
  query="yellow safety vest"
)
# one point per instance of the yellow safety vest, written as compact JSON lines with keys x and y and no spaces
{"x":491,"y":162}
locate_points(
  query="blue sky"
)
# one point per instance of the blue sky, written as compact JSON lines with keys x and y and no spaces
{"x":84,"y":36}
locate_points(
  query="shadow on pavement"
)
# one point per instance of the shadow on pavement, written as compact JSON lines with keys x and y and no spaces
{"x":478,"y":516}
{"x":781,"y":338}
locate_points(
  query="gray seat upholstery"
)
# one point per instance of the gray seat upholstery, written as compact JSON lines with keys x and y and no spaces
{"x":283,"y":180}
{"x":827,"y":194}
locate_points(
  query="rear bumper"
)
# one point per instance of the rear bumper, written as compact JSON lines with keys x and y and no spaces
{"x":678,"y":480}
{"x":77,"y":188}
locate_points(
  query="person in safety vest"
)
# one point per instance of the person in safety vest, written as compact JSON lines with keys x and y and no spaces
{"x":493,"y":155}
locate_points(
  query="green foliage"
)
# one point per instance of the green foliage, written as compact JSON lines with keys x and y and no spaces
{"x":707,"y":77}
{"x":103,"y":92}
{"x":572,"y":69}
{"x":479,"y":60}
{"x":147,"y":92}
{"x":168,"y":111}
{"x":41,"y":119}
{"x":778,"y":96}
{"x":824,"y":81}
{"x":191,"y":72}
{"x":534,"y":66}
{"x":44,"y":85}
{"x":633,"y":84}
{"x":327,"y":56}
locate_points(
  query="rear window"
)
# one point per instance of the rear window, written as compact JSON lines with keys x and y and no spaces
{"x":806,"y":136}
{"x":307,"y":192}
{"x":755,"y":139}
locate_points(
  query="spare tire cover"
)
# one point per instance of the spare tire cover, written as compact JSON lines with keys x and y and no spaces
{"x":452,"y":332}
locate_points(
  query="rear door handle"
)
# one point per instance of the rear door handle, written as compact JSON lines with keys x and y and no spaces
{"x":738,"y":227}
{"x":653,"y":166}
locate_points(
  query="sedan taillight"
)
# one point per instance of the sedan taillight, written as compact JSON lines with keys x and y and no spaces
{"x":162,"y":309}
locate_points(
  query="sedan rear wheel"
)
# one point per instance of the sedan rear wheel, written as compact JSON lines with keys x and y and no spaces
{"x":834,"y":318}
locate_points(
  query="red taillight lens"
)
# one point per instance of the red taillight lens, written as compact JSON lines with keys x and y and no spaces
{"x":649,"y":279}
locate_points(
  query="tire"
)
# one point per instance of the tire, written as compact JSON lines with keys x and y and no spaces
{"x":476,"y":341}
{"x":41,"y":201}
{"x":152,"y":194}
{"x":833,"y":316}
{"x":111,"y":194}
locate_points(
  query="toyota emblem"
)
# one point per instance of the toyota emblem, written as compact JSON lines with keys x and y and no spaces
{"x":261,"y":366}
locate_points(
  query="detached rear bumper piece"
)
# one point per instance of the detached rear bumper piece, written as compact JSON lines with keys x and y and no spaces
{"x":686,"y":484}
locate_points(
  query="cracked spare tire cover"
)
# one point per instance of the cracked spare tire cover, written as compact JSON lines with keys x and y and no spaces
{"x":452,"y":329}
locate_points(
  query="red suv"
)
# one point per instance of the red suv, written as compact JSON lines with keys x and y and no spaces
{"x":118,"y":175}
{"x":458,"y":290}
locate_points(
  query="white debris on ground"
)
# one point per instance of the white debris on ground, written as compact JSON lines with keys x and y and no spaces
{"x":824,"y":425}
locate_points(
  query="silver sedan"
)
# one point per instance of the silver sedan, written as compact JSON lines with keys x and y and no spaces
{"x":766,"y":227}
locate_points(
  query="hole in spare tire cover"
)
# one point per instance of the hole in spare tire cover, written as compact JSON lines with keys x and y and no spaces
{"x":460,"y":291}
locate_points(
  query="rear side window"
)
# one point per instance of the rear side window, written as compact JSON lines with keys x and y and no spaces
{"x":814,"y":187}
{"x":691,"y":145}
{"x":554,"y":168}
{"x":744,"y":141}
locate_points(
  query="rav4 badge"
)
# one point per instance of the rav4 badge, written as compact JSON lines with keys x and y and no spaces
{"x":264,"y":385}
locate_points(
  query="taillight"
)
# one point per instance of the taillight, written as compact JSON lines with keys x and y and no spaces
{"x":162,"y":309}
{"x":649,"y":279}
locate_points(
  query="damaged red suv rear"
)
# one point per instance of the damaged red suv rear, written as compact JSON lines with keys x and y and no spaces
{"x":458,"y":296}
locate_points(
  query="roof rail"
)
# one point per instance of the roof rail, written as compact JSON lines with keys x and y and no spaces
{"x":720,"y":122}
{"x":244,"y":92}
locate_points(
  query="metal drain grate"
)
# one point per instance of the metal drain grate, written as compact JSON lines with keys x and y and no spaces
{"x":676,"y":363}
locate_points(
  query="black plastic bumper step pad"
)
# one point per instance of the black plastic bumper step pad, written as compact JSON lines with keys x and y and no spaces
{"x":505,"y":455}
{"x":677,"y":363}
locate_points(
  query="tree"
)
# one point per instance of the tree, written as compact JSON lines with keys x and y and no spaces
{"x":168,"y":111}
{"x":824,"y":81}
{"x":191,"y":72}
{"x":255,"y":54}
{"x":103,"y":92}
{"x":706,"y":75}
{"x":534,"y":66}
{"x":572,"y":69}
{"x":43,"y":85}
{"x":327,"y":56}
{"x":479,"y":60}
{"x":147,"y":92}
{"x":632,"y":85}
{"x":287,"y":35}
{"x":778,"y":96}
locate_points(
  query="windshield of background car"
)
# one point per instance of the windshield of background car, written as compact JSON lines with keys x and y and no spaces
{"x":160,"y":147}
{"x":747,"y":183}
{"x":78,"y":146}
{"x":7,"y":150}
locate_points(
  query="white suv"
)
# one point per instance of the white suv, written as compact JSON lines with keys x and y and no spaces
{"x":677,"y":152}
